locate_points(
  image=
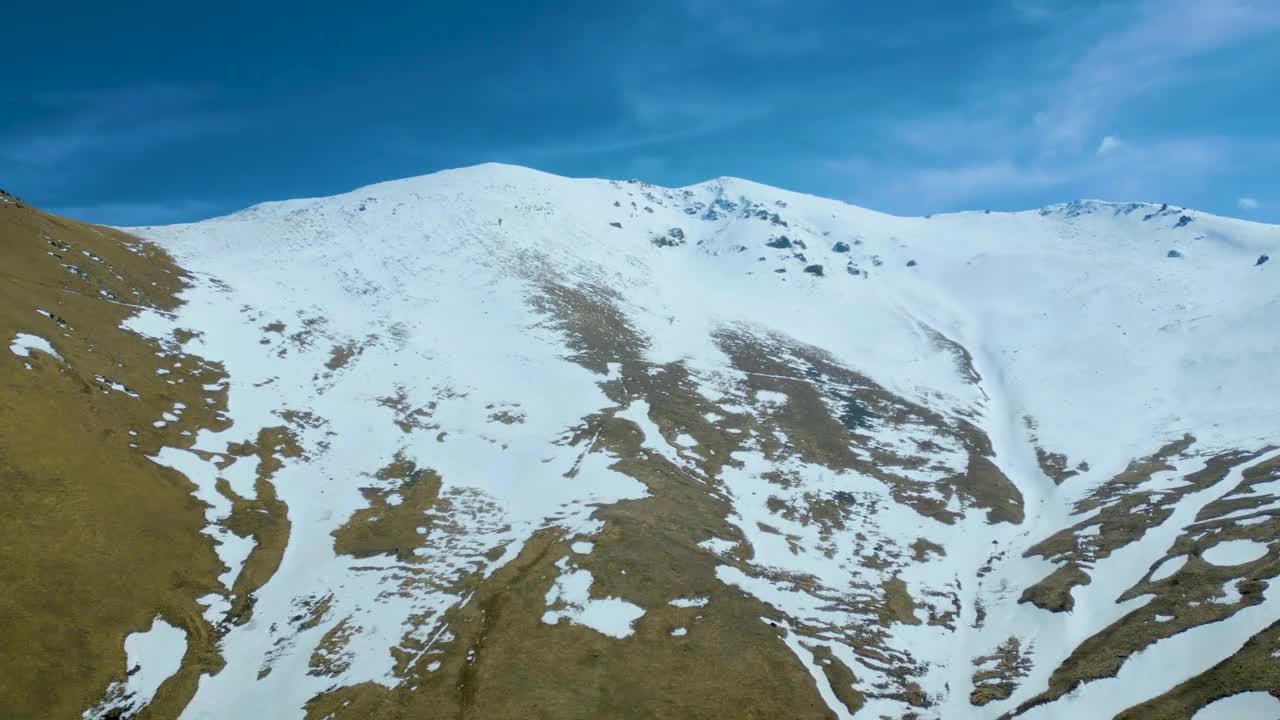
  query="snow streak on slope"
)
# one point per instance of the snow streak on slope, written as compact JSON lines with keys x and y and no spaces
{"x":862,"y":422}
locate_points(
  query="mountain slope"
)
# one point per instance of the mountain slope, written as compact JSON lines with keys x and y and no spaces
{"x":96,"y":541}
{"x":579,"y":448}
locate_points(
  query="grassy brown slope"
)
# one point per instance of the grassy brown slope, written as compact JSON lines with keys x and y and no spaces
{"x":95,"y":539}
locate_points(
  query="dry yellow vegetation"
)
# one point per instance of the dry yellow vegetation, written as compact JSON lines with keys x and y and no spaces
{"x":96,"y":540}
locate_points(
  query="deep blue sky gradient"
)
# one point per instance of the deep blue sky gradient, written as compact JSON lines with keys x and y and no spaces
{"x":148,"y":112}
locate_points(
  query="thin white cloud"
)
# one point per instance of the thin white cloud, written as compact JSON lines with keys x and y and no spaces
{"x":1248,"y":203}
{"x":1156,"y":172}
{"x":649,"y":120}
{"x":763,"y":28}
{"x":934,"y":188}
{"x":1136,"y":52}
{"x":1144,"y":55}
{"x":1109,"y":144}
{"x":1044,"y":134}
{"x":118,"y":121}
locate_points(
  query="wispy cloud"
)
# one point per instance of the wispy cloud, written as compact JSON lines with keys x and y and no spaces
{"x":1109,"y":144}
{"x":1145,"y":55}
{"x":646,"y":121}
{"x":118,"y":121}
{"x":930,"y":188}
{"x":86,"y":138}
{"x":761,"y":27}
{"x":1248,"y":203}
{"x":1127,"y":171}
{"x":1044,"y":133}
{"x":1037,"y":11}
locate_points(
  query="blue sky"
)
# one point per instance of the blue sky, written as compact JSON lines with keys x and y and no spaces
{"x":148,"y":112}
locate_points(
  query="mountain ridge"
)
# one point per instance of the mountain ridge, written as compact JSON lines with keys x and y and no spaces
{"x":723,"y":180}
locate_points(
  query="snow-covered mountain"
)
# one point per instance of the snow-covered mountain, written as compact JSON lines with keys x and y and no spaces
{"x":493,"y":443}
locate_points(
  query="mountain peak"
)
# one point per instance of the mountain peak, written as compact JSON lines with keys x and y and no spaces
{"x":726,"y":445}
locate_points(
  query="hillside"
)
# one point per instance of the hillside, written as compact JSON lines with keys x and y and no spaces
{"x":494,"y":443}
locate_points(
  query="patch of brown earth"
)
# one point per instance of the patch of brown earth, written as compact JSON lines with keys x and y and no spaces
{"x":997,"y":674}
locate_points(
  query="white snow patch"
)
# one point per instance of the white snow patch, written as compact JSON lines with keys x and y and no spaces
{"x":1254,"y":520}
{"x":770,"y":397}
{"x":1234,"y":552}
{"x":570,"y":600}
{"x":24,"y":343}
{"x":118,"y":387}
{"x":679,"y":632}
{"x":1256,"y":705}
{"x":216,"y":607}
{"x":1169,"y":567}
{"x":582,"y":547}
{"x":152,"y":656}
{"x":1231,"y":594}
{"x":690,"y":602}
{"x":719,"y":546}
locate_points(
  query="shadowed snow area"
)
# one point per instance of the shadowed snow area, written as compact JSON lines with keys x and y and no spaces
{"x":973,"y":465}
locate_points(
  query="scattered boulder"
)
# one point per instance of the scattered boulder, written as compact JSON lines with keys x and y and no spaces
{"x":912,"y":263}
{"x":840,"y":247}
{"x":782,"y":242}
{"x":616,"y":224}
{"x":814,"y":270}
{"x":674,"y":237}
{"x":773,"y":218}
{"x":1174,"y":254}
{"x":1262,"y":259}
{"x":1183,"y":221}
